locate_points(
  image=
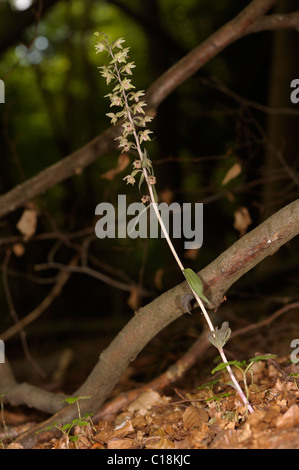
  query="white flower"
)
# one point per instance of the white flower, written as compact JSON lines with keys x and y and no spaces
{"x":100,"y":47}
{"x":144,"y":135}
{"x":127,"y":68}
{"x":136,"y":96}
{"x":137,"y":164}
{"x":116,"y":100}
{"x":128,"y":128}
{"x":151,"y":179}
{"x":118,"y":43}
{"x":126,"y":84}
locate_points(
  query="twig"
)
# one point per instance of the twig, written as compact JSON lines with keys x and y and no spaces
{"x":62,"y":279}
{"x":265,"y":322}
{"x":15,"y":317}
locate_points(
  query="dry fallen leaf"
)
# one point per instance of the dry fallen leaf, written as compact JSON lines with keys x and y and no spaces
{"x":191,"y":254}
{"x":232,"y":173}
{"x":198,"y":435}
{"x":161,"y":444}
{"x":242,"y":220}
{"x":158,"y":278}
{"x":289,"y":419}
{"x":122,"y":163}
{"x":123,"y":429}
{"x":133,"y":300}
{"x":194,"y":417}
{"x":167,"y":196}
{"x":18,"y":249}
{"x":120,"y":443}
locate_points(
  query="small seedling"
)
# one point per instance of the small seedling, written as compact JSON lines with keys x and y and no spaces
{"x":81,"y":421}
{"x":244,"y":367}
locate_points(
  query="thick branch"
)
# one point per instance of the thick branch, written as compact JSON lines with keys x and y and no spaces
{"x":246,"y":253}
{"x":160,"y":89}
{"x":13,"y":24}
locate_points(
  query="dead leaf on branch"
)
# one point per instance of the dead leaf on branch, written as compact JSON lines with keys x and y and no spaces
{"x":134,"y":298}
{"x":18,"y":249}
{"x":28,"y":222}
{"x":158,"y":278}
{"x":242,"y":220}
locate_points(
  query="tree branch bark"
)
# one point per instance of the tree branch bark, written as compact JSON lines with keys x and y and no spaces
{"x":275,"y":22}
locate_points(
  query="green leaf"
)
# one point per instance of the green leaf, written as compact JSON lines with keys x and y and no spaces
{"x":195,"y":283}
{"x":67,"y":426}
{"x":264,"y":357}
{"x":208,"y":384}
{"x":71,"y":400}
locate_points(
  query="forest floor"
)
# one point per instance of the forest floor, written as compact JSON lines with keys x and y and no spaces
{"x":201,"y":411}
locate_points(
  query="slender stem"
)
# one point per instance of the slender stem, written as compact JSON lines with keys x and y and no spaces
{"x":234,"y":380}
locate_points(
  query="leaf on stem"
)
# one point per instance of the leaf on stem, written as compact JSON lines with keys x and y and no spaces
{"x":219,"y":337}
{"x":195,"y":283}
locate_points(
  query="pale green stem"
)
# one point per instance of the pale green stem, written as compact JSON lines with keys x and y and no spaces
{"x":163,"y":228}
{"x":234,"y":380}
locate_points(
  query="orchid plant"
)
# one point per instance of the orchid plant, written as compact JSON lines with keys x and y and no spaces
{"x":134,"y":121}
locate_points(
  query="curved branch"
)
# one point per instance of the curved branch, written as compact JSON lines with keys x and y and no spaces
{"x":275,"y":22}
